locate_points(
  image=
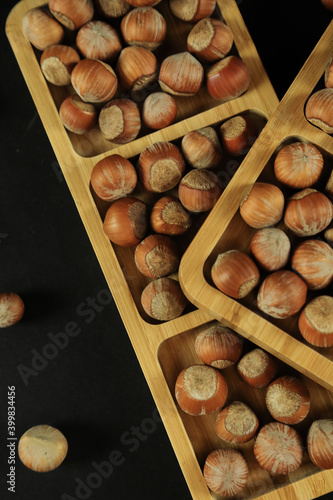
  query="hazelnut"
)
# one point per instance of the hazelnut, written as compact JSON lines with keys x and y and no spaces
{"x":228,"y":78}
{"x":57,"y":63}
{"x":181,"y":74}
{"x":318,"y":110}
{"x":328,"y":235}
{"x":298,"y":165}
{"x":143,"y":3}
{"x":98,"y":40}
{"x":160,"y":166}
{"x":159,"y":110}
{"x":192,"y":10}
{"x":163,"y":299}
{"x":210,"y":40}
{"x":199,"y":190}
{"x":168,"y":216}
{"x":200,"y":390}
{"x":238,"y":135}
{"x":72,"y":13}
{"x":11,"y":309}
{"x":94,"y":81}
{"x":41,"y":29}
{"x":144,"y":27}
{"x":257,"y":368}
{"x":202,"y":148}
{"x":42,"y":448}
{"x":235,"y":274}
{"x":282,"y":294}
{"x":120,"y":121}
{"x":77,"y":116}
{"x":287,"y":445}
{"x":308,"y":212}
{"x":157,"y":256}
{"x":113,"y":177}
{"x":270,"y":247}
{"x":263,"y":206}
{"x":316,"y":321}
{"x":226,"y":472}
{"x":313,"y":261}
{"x":320,"y":443}
{"x":126,"y":222}
{"x":112,"y":9}
{"x":288,"y":400}
{"x":236,"y":423}
{"x":136,"y":68}
{"x":218,"y":346}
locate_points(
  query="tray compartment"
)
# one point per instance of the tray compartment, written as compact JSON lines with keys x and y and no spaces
{"x":178,"y":352}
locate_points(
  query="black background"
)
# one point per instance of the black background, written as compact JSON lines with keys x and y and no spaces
{"x":94,"y":390}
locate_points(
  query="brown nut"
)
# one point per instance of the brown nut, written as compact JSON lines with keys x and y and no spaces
{"x":160,"y":166}
{"x":181,"y":74}
{"x":57,"y":63}
{"x":136,"y":68}
{"x":316,"y":321}
{"x":218,"y":346}
{"x":41,"y":29}
{"x":202,"y":148}
{"x":113,"y":177}
{"x":144,"y":27}
{"x":288,"y":400}
{"x":42,"y":448}
{"x":192,"y":10}
{"x":226,"y":472}
{"x":162,"y":299}
{"x":94,"y":81}
{"x":120,"y":121}
{"x":168,"y":216}
{"x":126,"y":222}
{"x":11,"y":309}
{"x":199,"y":190}
{"x":308,"y":212}
{"x":235,"y":273}
{"x":263,"y":206}
{"x":157,"y":256}
{"x":159,"y":110}
{"x":313,"y":261}
{"x":318,"y":109}
{"x":228,"y":78}
{"x":201,"y":390}
{"x":257,"y":368}
{"x":98,"y":40}
{"x":282,"y":294}
{"x":77,"y":116}
{"x":210,"y":40}
{"x":238,"y":135}
{"x":72,"y":13}
{"x":236,"y":423}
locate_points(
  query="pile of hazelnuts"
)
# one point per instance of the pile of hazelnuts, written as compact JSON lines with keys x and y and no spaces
{"x":105,"y":50}
{"x":278,"y":447}
{"x":290,"y":256}
{"x":111,"y":60}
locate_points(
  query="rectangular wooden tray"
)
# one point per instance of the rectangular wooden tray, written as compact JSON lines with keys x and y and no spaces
{"x":220,"y":233}
{"x":162,"y":349}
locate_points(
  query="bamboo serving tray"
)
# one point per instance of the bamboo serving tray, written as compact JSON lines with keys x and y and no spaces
{"x":224,"y":229}
{"x":163,"y":349}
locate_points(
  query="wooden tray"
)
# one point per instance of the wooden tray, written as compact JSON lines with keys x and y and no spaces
{"x":219,"y":234}
{"x":77,"y":157}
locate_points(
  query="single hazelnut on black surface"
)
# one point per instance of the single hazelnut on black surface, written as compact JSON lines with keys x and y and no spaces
{"x":42,"y":448}
{"x":11,"y":309}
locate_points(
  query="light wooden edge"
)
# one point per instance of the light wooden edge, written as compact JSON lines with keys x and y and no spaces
{"x":287,"y":121}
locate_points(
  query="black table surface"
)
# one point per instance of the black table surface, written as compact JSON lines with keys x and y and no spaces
{"x":93,"y":388}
